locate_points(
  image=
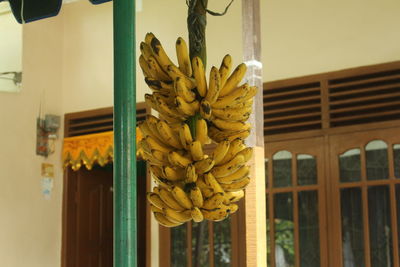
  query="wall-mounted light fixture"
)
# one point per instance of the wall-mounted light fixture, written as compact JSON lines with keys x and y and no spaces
{"x":46,"y":134}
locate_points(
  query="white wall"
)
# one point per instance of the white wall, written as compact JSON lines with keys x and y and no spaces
{"x":311,"y":36}
{"x":30,"y":226}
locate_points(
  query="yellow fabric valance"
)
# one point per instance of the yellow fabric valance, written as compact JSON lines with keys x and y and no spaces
{"x":88,"y":150}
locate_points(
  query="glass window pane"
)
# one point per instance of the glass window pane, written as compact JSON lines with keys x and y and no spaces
{"x":284,"y":230}
{"x":200,"y":244}
{"x":398,"y":213}
{"x":306,"y":170}
{"x":350,"y":166}
{"x":266,"y":173}
{"x":396,"y":155}
{"x":282,"y":169}
{"x":352,"y":227}
{"x":178,"y":246}
{"x":377,"y":160}
{"x":380,"y":230}
{"x":222,"y":243}
{"x":309,"y":229}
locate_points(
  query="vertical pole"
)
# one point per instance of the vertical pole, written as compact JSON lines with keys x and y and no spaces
{"x":255,"y":219}
{"x":125,"y":248}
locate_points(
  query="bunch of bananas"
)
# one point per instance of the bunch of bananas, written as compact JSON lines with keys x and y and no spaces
{"x":193,"y":184}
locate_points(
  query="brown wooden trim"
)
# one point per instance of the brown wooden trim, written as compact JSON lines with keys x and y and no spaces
{"x":365,"y":90}
{"x":296,"y":228}
{"x":364,"y":107}
{"x":280,"y":110}
{"x":164,"y":246}
{"x":299,"y":188}
{"x":325,"y":104}
{"x":365,"y":98}
{"x":268,"y":94}
{"x":393,"y":213}
{"x":296,"y":116}
{"x":364,"y":81}
{"x":367,"y":247}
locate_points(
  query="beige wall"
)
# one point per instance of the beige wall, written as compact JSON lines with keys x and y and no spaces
{"x":70,"y":58}
{"x":311,"y":36}
{"x":30,"y":226}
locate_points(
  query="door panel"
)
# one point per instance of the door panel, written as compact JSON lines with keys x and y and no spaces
{"x":94,"y":220}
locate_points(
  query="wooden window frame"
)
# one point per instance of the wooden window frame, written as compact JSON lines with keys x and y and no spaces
{"x":328,"y":134}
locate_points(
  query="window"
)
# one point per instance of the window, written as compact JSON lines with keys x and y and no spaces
{"x":333,"y":169}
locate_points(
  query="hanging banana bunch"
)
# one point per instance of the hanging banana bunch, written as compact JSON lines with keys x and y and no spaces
{"x":192,"y":113}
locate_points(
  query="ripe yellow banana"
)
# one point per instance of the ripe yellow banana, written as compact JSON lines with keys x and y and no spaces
{"x":197,"y":216}
{"x":182,"y":91}
{"x":163,"y":87}
{"x":238,"y":175}
{"x":144,"y":66}
{"x":178,"y":160}
{"x":191,"y":175}
{"x":233,"y":114}
{"x":197,"y":150}
{"x":155,"y":199}
{"x":160,"y":156}
{"x":164,"y":108}
{"x":155,"y":209}
{"x":204,"y":165}
{"x":214,"y":86}
{"x":156,"y":170}
{"x":197,"y":197}
{"x":174,"y":73}
{"x":229,"y":167}
{"x":156,"y":71}
{"x":251,"y":93}
{"x":216,"y":215}
{"x":185,"y":136}
{"x":168,"y":135}
{"x":150,"y":101}
{"x":156,"y":145}
{"x":169,"y":200}
{"x":199,"y":76}
{"x":205,"y":109}
{"x":231,"y":197}
{"x":225,"y":69}
{"x":151,"y":122}
{"x":173,"y":174}
{"x":145,"y":49}
{"x":214,"y":201}
{"x":162,"y":219}
{"x":231,"y":125}
{"x":206,"y":190}
{"x":202,"y":131}
{"x":246,"y":153}
{"x":187,"y":109}
{"x":159,"y":54}
{"x":181,"y":217}
{"x":217,"y":135}
{"x":181,"y":197}
{"x":162,"y":182}
{"x":148,"y":37}
{"x":210,"y":181}
{"x":233,"y":99}
{"x":183,"y":57}
{"x":233,"y":80}
{"x":220,"y":151}
{"x":237,"y":185}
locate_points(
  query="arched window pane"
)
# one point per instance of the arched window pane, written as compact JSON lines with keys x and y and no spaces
{"x":306,"y":170}
{"x":377,"y":160}
{"x":350,"y":166}
{"x":282,"y":169}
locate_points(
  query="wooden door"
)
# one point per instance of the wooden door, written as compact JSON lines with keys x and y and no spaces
{"x":95,"y":218}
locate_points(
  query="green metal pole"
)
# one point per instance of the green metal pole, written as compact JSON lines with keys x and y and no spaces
{"x":125,"y":247}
